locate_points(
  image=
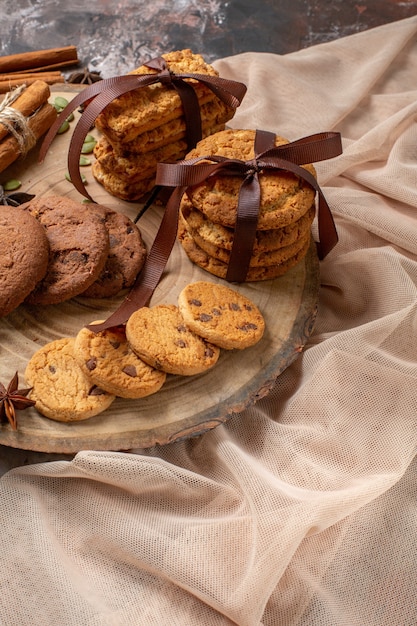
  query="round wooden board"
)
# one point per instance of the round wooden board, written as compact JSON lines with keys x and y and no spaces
{"x":185,"y":406}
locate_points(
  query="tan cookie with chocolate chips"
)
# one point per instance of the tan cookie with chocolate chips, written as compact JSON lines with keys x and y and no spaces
{"x":59,"y":387}
{"x":159,"y":336}
{"x":78,"y":247}
{"x":109,"y":362}
{"x":285,"y":197}
{"x":221,"y":315}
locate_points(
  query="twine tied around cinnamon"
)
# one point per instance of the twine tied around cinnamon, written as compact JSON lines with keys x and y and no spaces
{"x":189,"y":172}
{"x":16,"y":123}
{"x":98,"y":95}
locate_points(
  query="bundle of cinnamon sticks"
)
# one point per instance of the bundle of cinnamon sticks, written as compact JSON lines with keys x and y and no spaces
{"x":26,"y":67}
{"x":25,"y":113}
{"x":24,"y":120}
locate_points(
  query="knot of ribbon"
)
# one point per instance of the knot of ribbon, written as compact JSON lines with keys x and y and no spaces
{"x":190,"y":172}
{"x":100,"y":94}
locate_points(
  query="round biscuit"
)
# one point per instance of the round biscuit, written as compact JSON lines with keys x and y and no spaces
{"x":59,"y":387}
{"x":159,"y":336}
{"x":221,"y":315}
{"x":24,"y":256}
{"x":78,"y":247}
{"x":126,"y":256}
{"x":108,"y":361}
{"x":284,"y":197}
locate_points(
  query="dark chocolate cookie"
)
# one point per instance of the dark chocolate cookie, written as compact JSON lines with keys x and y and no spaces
{"x":78,"y":247}
{"x":24,"y":254}
{"x":126,"y":256}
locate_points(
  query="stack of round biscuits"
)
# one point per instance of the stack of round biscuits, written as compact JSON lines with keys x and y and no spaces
{"x":208,"y":212}
{"x":146,"y":126}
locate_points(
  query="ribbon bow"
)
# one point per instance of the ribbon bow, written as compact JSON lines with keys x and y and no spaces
{"x":100,"y":94}
{"x":191,"y":172}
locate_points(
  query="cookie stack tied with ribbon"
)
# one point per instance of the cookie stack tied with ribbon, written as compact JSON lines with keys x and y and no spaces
{"x":248,"y":202}
{"x":208,"y":212}
{"x":146,"y":126}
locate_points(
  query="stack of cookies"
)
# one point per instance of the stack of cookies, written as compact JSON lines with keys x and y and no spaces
{"x":208,"y":212}
{"x":146,"y":126}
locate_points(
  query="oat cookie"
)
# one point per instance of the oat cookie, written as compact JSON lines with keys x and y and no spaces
{"x":60,"y":389}
{"x":219,"y":236}
{"x":261,"y":259}
{"x":131,"y":167}
{"x":24,"y":255}
{"x":159,"y":336}
{"x":285,"y":198}
{"x":213,"y":120}
{"x":78,"y":247}
{"x":126,"y":255}
{"x":107,"y":360}
{"x":120,"y":188}
{"x":221,"y":315}
{"x":212,"y":265}
{"x":146,"y":108}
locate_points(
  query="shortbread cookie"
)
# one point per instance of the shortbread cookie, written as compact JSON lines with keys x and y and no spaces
{"x":159,"y":336}
{"x":221,"y":315}
{"x":24,"y":255}
{"x":126,"y":255}
{"x":218,"y":268}
{"x":59,"y":387}
{"x":218,"y":236}
{"x":148,"y":107}
{"x":107,"y":361}
{"x":120,"y":188}
{"x":79,"y":245}
{"x":285,"y":198}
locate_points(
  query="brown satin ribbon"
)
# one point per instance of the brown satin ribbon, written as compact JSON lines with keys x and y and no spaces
{"x":98,"y":95}
{"x":191,"y":172}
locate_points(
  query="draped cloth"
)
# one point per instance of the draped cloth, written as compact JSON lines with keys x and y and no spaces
{"x":302,"y":509}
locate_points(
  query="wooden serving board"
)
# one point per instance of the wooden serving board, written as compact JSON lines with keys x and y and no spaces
{"x":185,"y":406}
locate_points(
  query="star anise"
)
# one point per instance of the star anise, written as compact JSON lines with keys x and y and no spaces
{"x":84,"y":77}
{"x":14,"y":198}
{"x":13,"y":399}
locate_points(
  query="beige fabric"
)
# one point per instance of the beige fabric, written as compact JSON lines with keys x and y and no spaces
{"x":302,"y":510}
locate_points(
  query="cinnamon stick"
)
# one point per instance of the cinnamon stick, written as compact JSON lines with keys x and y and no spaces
{"x":34,"y":96}
{"x":8,"y":85}
{"x":38,"y":59}
{"x":48,"y":68}
{"x":39,"y":123}
{"x":30,"y":74}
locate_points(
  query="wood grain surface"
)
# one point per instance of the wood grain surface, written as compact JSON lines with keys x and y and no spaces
{"x":185,"y":406}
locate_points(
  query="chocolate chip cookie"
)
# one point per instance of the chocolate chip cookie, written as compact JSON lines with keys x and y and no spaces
{"x":78,"y":247}
{"x":126,"y":255}
{"x":24,"y":255}
{"x":221,"y":315}
{"x":160,"y":337}
{"x":108,"y":361}
{"x":59,"y":387}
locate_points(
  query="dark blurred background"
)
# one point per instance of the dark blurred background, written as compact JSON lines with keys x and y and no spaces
{"x":113,"y":37}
